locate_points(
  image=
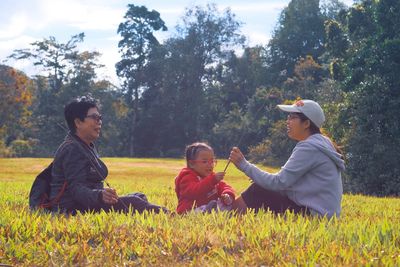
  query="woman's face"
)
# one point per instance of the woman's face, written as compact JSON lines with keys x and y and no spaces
{"x":296,"y":128}
{"x":204,"y":162}
{"x":89,"y":129}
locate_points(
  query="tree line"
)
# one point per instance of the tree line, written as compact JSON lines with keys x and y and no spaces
{"x":197,"y":86}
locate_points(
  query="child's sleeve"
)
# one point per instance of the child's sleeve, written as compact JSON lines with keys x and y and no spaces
{"x":192,"y":188}
{"x":224,"y":188}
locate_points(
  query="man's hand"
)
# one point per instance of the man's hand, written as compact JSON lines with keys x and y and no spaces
{"x":109,"y":196}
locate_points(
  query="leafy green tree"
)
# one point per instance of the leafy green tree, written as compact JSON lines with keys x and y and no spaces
{"x":114,"y":111}
{"x":275,"y":149}
{"x":17,"y":92}
{"x":52,"y":56}
{"x":336,"y":41}
{"x":333,"y":9}
{"x":47,"y":118}
{"x":237,"y":79}
{"x":248,"y":125}
{"x":56,"y":62}
{"x":161,"y":103}
{"x":22,"y":148}
{"x":306,"y":80}
{"x":371,"y":80}
{"x":179,"y":75}
{"x":230,"y":131}
{"x":68,"y":73}
{"x":137,"y":42}
{"x":299,"y":33}
{"x":208,"y":38}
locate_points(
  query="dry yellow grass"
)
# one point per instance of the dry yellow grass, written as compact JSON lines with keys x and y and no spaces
{"x":367,"y":234}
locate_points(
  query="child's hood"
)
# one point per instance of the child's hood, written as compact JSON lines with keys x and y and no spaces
{"x":182,"y":173}
{"x":186,"y":171}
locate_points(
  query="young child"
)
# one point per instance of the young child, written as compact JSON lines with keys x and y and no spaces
{"x":197,"y":186}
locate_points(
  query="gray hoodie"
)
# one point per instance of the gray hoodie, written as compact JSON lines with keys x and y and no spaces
{"x":311,"y":177}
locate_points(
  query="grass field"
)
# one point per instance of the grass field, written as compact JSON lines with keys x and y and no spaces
{"x":367,"y":234}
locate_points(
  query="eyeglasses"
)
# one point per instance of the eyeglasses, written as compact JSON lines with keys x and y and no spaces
{"x":205,"y":161}
{"x":96,"y":117}
{"x":292,"y":116}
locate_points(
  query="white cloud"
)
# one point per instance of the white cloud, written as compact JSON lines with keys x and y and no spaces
{"x":99,"y":20}
{"x":170,"y":11}
{"x":114,"y":38}
{"x":257,"y":7}
{"x":109,"y":58}
{"x":20,"y":42}
{"x":8,"y":46}
{"x":257,"y":38}
{"x":15,"y":43}
{"x":17,"y":25}
{"x":108,"y":48}
{"x":83,"y":15}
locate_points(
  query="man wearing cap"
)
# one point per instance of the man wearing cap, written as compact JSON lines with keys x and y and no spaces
{"x":310,"y":181}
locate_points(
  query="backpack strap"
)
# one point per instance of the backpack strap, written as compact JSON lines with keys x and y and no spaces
{"x":89,"y":155}
{"x":48,"y":204}
{"x":93,"y":160}
{"x":45,"y":201}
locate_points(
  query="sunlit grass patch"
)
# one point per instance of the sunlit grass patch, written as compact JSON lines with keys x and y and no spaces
{"x":368,"y":232}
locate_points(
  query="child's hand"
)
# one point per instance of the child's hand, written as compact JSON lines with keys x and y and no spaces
{"x":219,"y":176}
{"x":226,"y":199}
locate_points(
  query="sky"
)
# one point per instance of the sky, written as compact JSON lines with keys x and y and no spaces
{"x":25,"y":21}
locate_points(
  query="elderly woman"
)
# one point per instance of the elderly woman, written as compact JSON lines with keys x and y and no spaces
{"x":310,"y":181}
{"x":78,"y":173}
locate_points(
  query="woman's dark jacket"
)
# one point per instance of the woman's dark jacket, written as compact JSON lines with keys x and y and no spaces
{"x":80,"y":166}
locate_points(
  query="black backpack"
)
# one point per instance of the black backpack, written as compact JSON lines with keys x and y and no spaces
{"x":40,"y":191}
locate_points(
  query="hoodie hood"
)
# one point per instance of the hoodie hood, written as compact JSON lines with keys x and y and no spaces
{"x":182,"y":173}
{"x":178,"y":178}
{"x":323,"y":144}
{"x":186,"y":171}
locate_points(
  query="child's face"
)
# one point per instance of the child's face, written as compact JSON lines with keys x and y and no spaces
{"x":204,"y":162}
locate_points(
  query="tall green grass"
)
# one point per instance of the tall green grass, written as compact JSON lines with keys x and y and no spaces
{"x":367,"y":234}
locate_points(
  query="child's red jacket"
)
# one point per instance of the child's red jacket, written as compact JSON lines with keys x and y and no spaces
{"x":193,"y":191}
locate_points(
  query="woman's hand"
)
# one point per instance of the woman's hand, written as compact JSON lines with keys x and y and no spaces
{"x":236,"y":156}
{"x":109,"y":196}
{"x":219,"y":176}
{"x":226,"y":199}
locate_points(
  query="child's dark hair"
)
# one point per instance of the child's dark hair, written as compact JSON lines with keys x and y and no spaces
{"x":192,"y":150}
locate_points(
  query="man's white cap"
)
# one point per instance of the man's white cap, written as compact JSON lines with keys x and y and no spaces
{"x":310,"y":108}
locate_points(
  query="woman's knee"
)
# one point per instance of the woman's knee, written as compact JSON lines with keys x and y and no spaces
{"x":239,"y":205}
